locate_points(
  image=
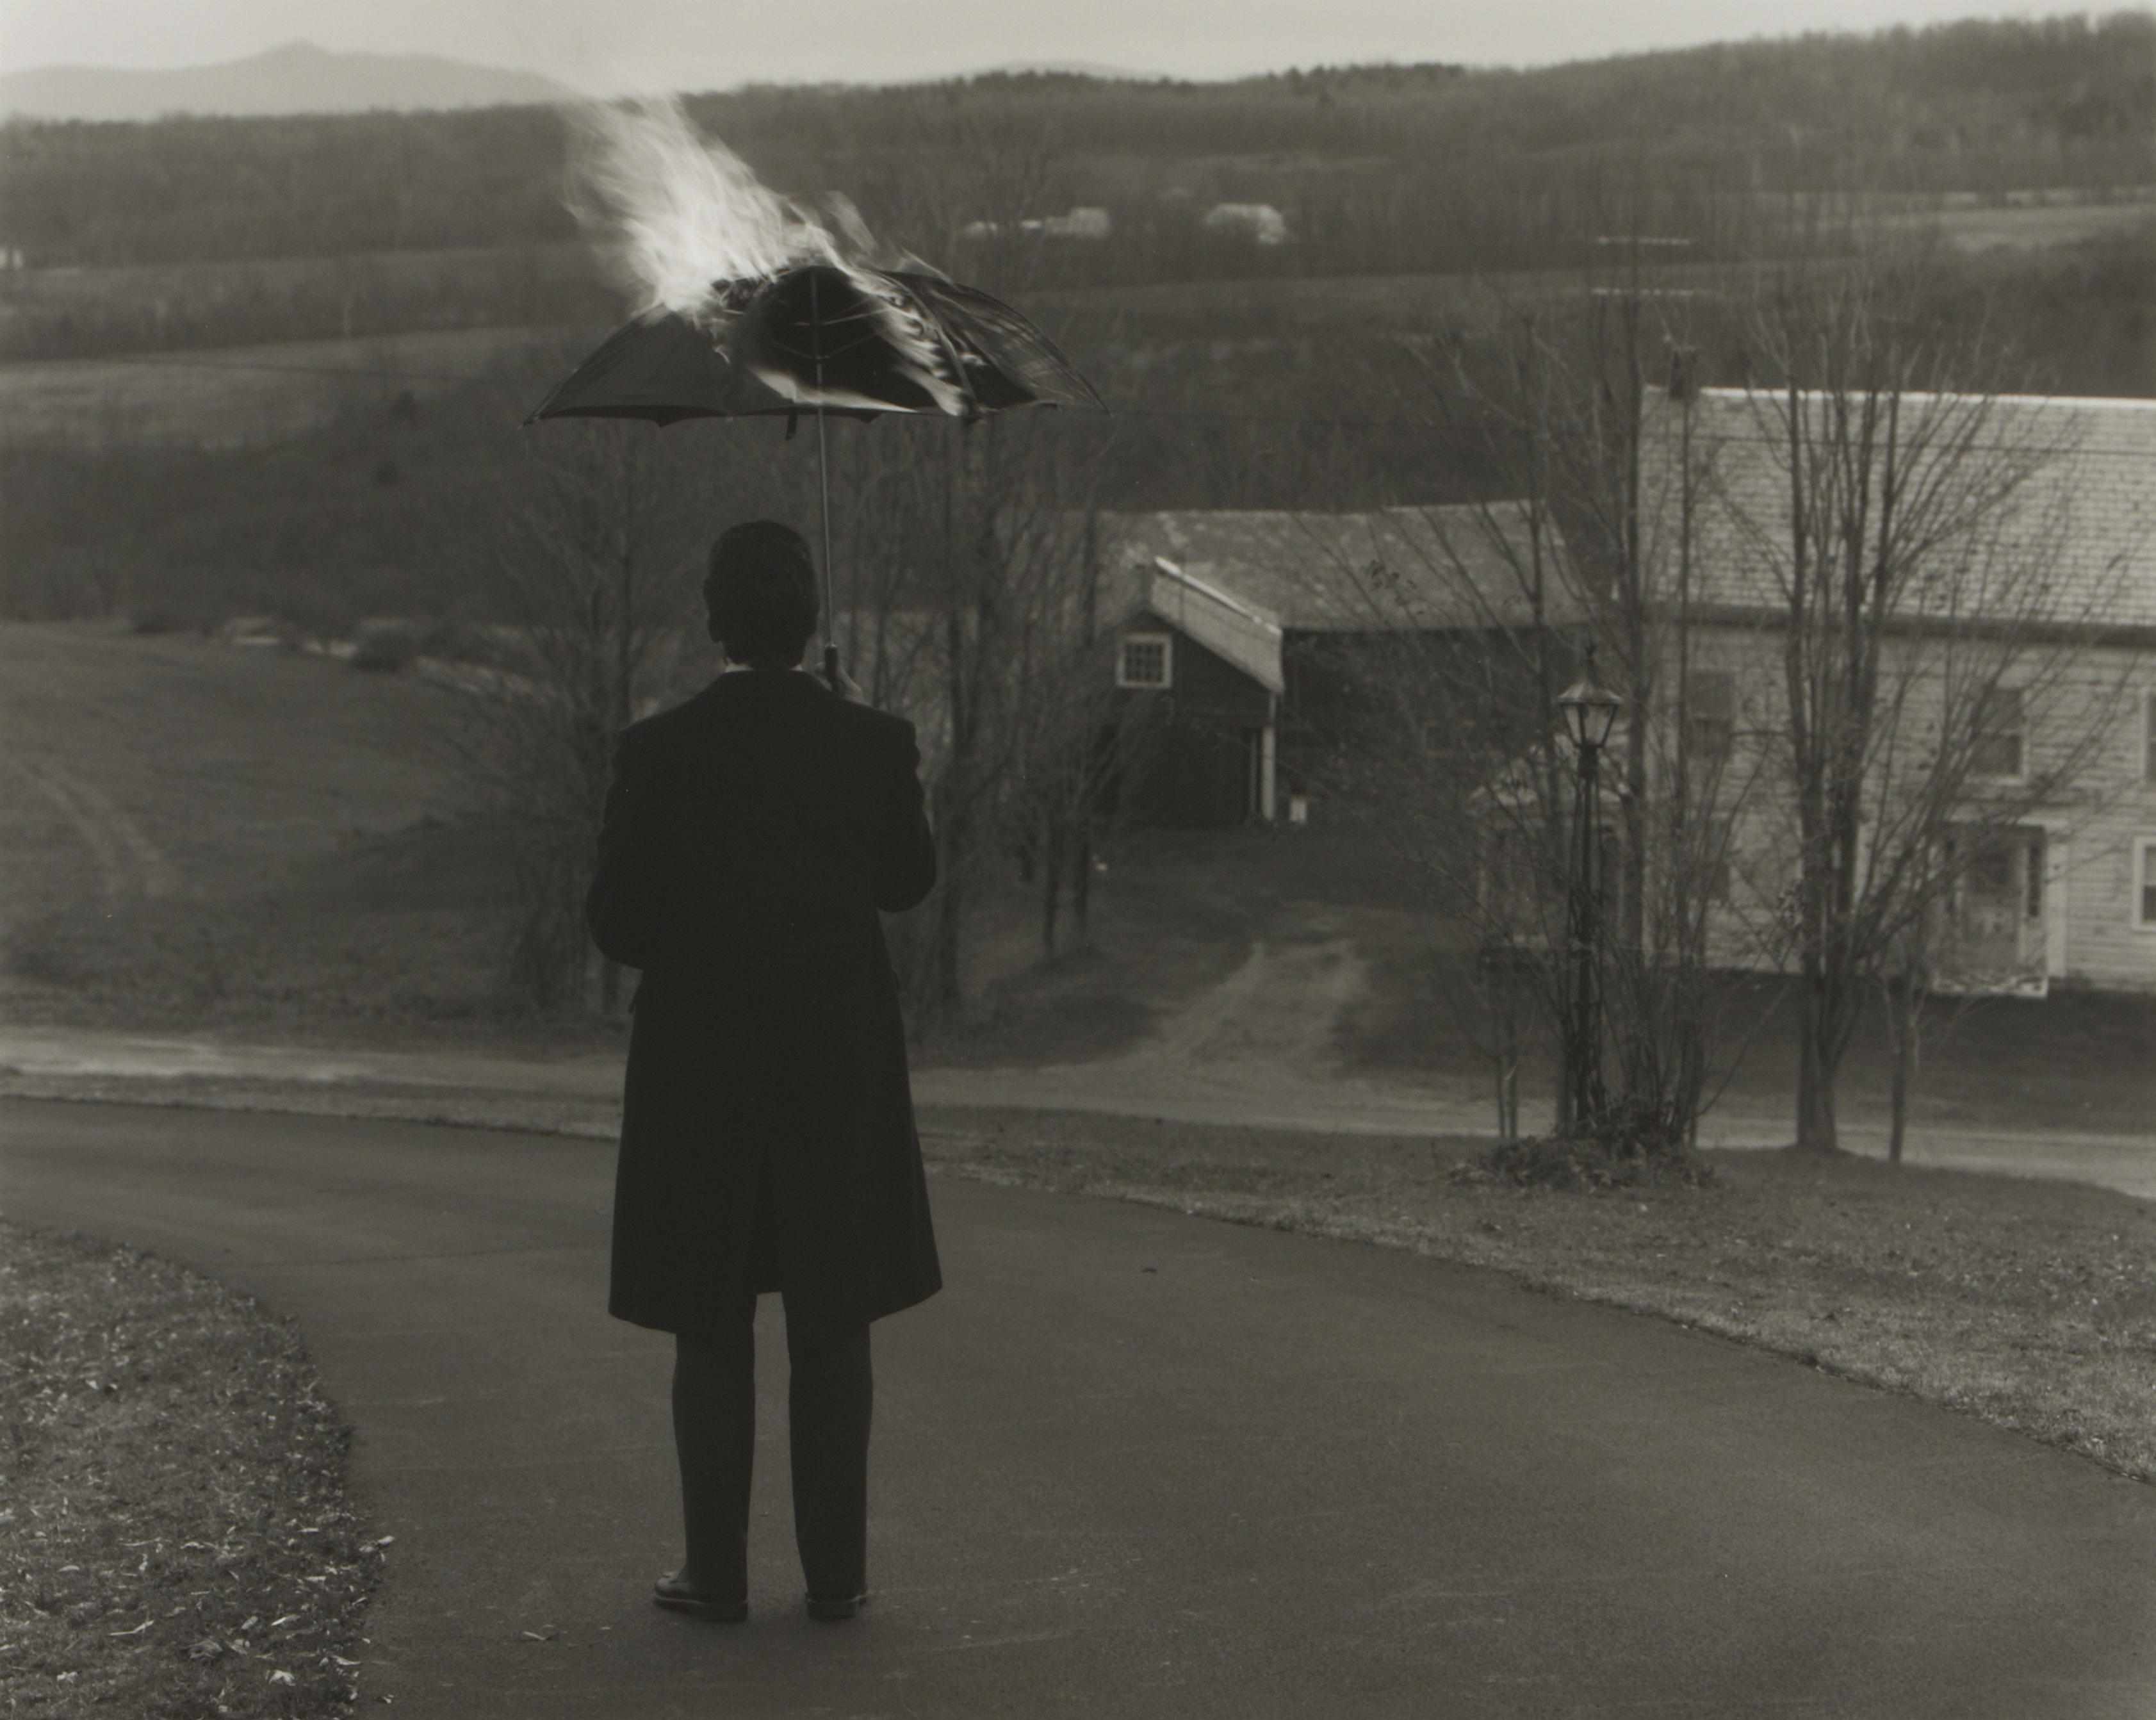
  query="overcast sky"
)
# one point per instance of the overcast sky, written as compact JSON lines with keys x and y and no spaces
{"x":607,"y":46}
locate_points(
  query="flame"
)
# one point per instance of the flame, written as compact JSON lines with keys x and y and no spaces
{"x":673,"y":214}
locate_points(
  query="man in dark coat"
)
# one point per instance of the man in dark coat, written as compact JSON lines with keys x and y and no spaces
{"x":751,"y":836}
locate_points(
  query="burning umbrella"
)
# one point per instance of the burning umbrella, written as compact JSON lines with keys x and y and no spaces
{"x":754,"y":309}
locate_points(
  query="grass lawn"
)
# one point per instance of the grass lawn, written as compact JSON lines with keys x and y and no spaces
{"x":1177,"y":912}
{"x":2031,"y":1304}
{"x":174,"y":1539}
{"x":2075,"y":1060}
{"x":194,"y":834}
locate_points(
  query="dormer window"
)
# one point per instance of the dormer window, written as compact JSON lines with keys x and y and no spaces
{"x":1145,"y":659}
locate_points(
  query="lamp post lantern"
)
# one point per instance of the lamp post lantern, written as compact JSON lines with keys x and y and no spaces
{"x":1590,"y":713}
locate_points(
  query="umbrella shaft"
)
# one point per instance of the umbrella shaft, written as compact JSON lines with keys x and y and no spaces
{"x":823,"y":492}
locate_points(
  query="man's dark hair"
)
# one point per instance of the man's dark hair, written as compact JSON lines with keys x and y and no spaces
{"x":760,"y":594}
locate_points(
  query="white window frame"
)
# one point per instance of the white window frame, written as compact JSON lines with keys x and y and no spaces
{"x":2020,"y":773}
{"x":1166,"y":641}
{"x":2143,"y":871}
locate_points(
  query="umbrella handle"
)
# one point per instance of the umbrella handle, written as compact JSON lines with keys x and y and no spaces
{"x":831,"y":666}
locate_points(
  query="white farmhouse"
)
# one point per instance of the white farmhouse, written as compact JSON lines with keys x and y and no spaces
{"x":2062,"y":891}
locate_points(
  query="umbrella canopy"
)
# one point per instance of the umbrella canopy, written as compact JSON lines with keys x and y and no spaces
{"x":824,"y":337}
{"x":662,"y":369}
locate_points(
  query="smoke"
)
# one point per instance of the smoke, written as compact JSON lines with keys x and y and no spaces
{"x":672,"y":212}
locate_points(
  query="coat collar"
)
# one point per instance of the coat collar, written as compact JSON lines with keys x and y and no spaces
{"x":759,"y":685}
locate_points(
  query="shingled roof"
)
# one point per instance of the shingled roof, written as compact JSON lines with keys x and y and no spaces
{"x":1386,"y":570}
{"x":2084,"y":515}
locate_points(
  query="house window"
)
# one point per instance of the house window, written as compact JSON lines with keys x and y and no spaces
{"x":1146,"y":659}
{"x":1720,"y":862}
{"x":1710,"y":715}
{"x":1996,"y":738}
{"x":2144,"y":883}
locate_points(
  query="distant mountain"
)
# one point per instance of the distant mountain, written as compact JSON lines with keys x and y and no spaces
{"x":296,"y":78}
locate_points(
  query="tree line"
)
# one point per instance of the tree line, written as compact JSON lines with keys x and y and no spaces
{"x":2066,"y":101}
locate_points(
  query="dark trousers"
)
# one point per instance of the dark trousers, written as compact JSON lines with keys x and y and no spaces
{"x":828,"y":1411}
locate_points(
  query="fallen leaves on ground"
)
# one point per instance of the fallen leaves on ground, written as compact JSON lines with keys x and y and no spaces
{"x":176,"y":1540}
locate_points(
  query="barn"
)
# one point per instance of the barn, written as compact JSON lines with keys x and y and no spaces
{"x":1238,"y":635}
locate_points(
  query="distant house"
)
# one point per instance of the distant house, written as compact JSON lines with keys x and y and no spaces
{"x":1260,"y":222}
{"x":2066,"y":895}
{"x":1236,"y":631}
{"x":1084,"y":222}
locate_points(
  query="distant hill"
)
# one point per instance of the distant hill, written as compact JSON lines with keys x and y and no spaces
{"x":296,"y":78}
{"x":1378,"y":170}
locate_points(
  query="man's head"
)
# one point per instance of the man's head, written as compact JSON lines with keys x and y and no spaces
{"x":760,"y":595}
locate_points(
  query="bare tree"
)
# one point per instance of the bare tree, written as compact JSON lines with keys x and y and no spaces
{"x":965,"y":582}
{"x":1590,"y":548}
{"x":1908,"y":527}
{"x":586,"y":588}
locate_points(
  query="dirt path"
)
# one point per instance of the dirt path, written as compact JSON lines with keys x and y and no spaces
{"x":1260,"y":1048}
{"x":1276,"y":1016}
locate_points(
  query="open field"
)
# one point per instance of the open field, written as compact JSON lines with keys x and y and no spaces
{"x":2039,"y":226}
{"x":241,"y":396}
{"x":86,"y":312}
{"x":1412,"y":304}
{"x":190,"y":829}
{"x":186,"y":287}
{"x":163,"y":390}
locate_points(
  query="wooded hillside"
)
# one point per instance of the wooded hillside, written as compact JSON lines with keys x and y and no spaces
{"x":1985,"y":106}
{"x":1419,"y":201}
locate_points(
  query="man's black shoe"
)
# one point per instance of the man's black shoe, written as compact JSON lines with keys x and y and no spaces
{"x":677,"y":1596}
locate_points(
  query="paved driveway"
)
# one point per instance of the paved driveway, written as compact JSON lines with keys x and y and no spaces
{"x":582,"y":1094}
{"x":1128,"y":1464}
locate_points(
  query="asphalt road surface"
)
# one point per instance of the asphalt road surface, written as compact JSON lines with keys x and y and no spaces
{"x":1128,"y":1464}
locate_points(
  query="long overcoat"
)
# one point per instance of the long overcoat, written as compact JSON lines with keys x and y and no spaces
{"x":751,"y":836}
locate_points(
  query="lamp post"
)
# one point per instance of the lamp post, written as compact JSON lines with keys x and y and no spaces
{"x":1590,"y":713}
